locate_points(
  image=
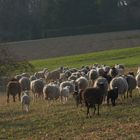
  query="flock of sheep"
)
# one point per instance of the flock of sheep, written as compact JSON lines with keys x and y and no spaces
{"x":89,"y":85}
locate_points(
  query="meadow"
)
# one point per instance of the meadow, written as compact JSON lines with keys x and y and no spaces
{"x":57,"y":121}
{"x":130,"y":57}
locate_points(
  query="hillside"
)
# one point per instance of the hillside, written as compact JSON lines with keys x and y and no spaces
{"x":63,"y":46}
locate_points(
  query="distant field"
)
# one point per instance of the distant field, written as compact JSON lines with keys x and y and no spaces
{"x":130,"y":57}
{"x":72,"y":45}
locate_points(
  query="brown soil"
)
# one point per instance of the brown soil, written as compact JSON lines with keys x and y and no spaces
{"x":64,"y":46}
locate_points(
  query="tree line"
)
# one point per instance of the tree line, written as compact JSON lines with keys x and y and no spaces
{"x":34,"y":19}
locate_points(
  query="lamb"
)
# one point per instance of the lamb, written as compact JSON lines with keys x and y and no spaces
{"x":64,"y":93}
{"x":70,"y":84}
{"x":113,"y":95}
{"x":37,"y":88}
{"x":93,"y":96}
{"x":25,"y":101}
{"x":51,"y":92}
{"x":13,"y":88}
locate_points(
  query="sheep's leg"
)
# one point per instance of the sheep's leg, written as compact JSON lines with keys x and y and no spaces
{"x":130,"y":93}
{"x":22,"y":107}
{"x":61,"y":98}
{"x":127,"y":93}
{"x":13,"y":98}
{"x":27,"y":108}
{"x":94,"y":109}
{"x":8,"y":97}
{"x":19,"y":96}
{"x":107,"y":100}
{"x":113,"y":102}
{"x":66,"y":99}
{"x":139,"y":90}
{"x":98,"y":109}
{"x":87,"y":111}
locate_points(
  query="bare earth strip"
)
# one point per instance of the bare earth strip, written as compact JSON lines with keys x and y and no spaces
{"x":70,"y":45}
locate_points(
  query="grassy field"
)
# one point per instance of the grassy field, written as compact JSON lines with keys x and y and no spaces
{"x":130,"y":57}
{"x":56,"y":121}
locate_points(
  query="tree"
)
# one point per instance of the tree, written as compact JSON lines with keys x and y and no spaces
{"x":10,"y":64}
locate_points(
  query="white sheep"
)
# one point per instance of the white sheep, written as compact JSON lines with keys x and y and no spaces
{"x":82,"y":83}
{"x":65,"y":93}
{"x":25,"y":101}
{"x":68,"y":83}
{"x":53,"y":75}
{"x":121,"y":83}
{"x":93,"y":75}
{"x":138,"y":81}
{"x":37,"y":88}
{"x":25,"y":83}
{"x":51,"y":91}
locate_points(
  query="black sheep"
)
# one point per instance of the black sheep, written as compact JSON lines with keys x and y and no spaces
{"x":113,"y":95}
{"x":93,"y":96}
{"x":13,"y":88}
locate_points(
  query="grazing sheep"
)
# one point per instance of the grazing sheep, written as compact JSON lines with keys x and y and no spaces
{"x":82,"y":83}
{"x":18,"y":77}
{"x":120,"y":68}
{"x":138,"y":71}
{"x":64,"y":93}
{"x":32,"y":78}
{"x":78,"y":97}
{"x":121,"y":83}
{"x":72,"y":77}
{"x":40,"y":74}
{"x":138,"y":81}
{"x":113,"y":72}
{"x":68,"y":83}
{"x":103,"y":80}
{"x":25,"y":101}
{"x":93,"y":96}
{"x":13,"y":88}
{"x":25,"y":83}
{"x":51,"y":92}
{"x":100,"y":71}
{"x":37,"y":88}
{"x":106,"y":68}
{"x":53,"y":75}
{"x":63,"y":77}
{"x":93,"y":75}
{"x":25,"y":75}
{"x":131,"y":84}
{"x":113,"y":95}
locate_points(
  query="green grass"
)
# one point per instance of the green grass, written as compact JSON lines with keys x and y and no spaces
{"x":130,"y":57}
{"x":67,"y":122}
{"x":51,"y":122}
